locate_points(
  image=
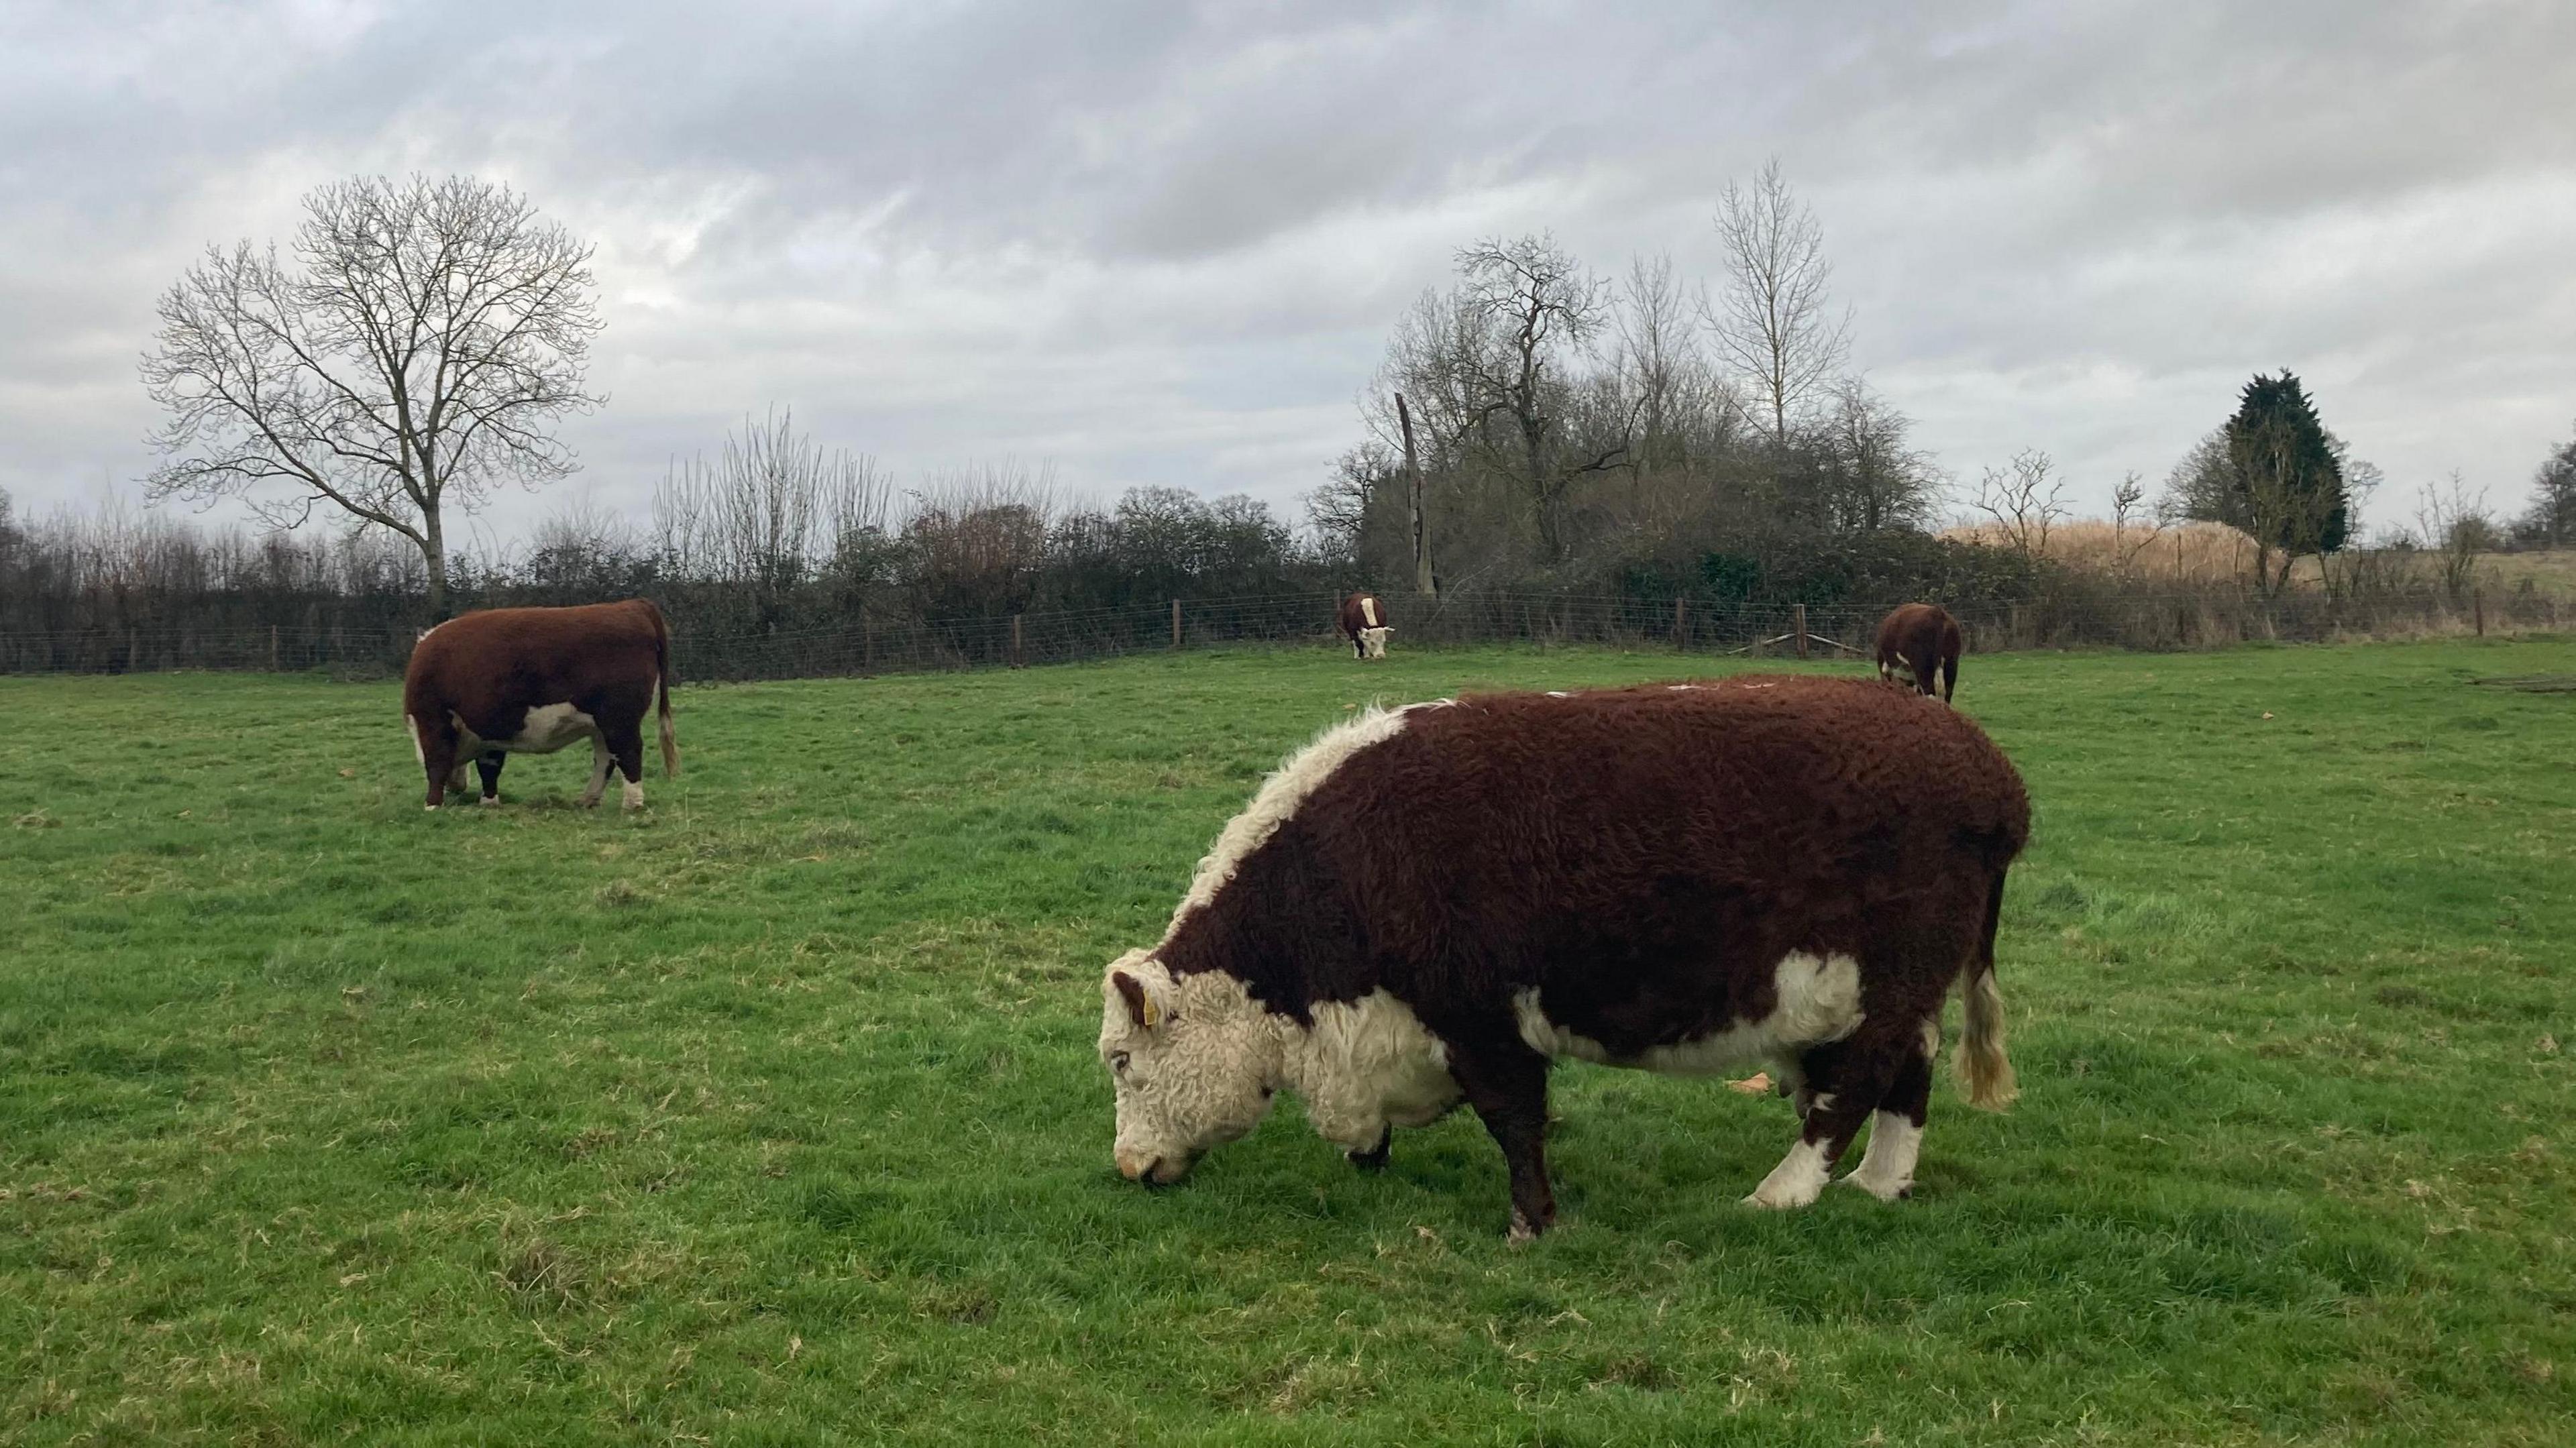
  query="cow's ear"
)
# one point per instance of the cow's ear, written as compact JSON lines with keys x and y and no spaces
{"x":1142,"y":1008}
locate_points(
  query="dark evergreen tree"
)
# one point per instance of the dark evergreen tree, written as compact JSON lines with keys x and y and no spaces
{"x":2283,"y":484}
{"x":2552,"y":519}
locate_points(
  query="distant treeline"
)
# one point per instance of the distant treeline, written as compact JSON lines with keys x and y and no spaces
{"x":778,"y":536}
{"x":790,"y":561}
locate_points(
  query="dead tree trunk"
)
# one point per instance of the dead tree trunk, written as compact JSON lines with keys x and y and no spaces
{"x":1422,"y":580}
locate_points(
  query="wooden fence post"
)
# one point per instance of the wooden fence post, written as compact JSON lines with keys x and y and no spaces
{"x":272,"y":648}
{"x":1019,"y":660}
{"x":133,"y":651}
{"x":2478,"y":605}
{"x":1798,"y":621}
{"x":867,"y":643}
{"x":1176,"y":623}
{"x":1681,"y":624}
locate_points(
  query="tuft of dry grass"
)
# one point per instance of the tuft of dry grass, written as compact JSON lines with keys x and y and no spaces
{"x":2184,"y":552}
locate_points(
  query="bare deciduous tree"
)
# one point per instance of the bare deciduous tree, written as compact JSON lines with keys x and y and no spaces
{"x":2126,"y":502}
{"x":418,"y":353}
{"x":1772,"y":317}
{"x":1541,"y":306}
{"x":1680,"y":400}
{"x":2025,"y":500}
{"x":1878,"y":481}
{"x":771,"y":512}
{"x":2452,"y":522}
{"x":1338,"y":508}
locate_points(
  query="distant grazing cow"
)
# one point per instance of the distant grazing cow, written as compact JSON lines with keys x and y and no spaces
{"x":532,"y":680}
{"x":1364,"y":624}
{"x":1430,"y":904}
{"x":1920,"y":637}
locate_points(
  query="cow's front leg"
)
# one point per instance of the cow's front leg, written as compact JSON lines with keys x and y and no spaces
{"x":1506,"y":1082}
{"x":600,"y":759}
{"x":489,"y":766}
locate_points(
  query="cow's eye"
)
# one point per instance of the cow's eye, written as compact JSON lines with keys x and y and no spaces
{"x":1117,"y":1060}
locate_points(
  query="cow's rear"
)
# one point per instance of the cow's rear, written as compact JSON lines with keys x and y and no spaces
{"x":504,"y":681}
{"x":1923,"y":640}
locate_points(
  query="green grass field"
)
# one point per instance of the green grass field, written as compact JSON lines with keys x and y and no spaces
{"x":771,"y":1115}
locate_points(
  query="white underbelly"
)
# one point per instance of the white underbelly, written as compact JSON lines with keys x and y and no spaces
{"x":1816,"y":1000}
{"x":548,"y":728}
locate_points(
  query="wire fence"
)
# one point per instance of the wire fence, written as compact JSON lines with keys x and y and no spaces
{"x":2146,"y":620}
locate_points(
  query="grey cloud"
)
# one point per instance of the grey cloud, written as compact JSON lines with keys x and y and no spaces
{"x":1164,"y":242}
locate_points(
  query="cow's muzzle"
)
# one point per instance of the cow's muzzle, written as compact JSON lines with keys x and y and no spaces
{"x":1159,"y":1171}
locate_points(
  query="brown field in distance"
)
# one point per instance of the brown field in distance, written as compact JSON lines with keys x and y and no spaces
{"x":2191,"y":553}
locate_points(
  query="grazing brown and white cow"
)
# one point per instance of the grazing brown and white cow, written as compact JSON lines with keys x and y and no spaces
{"x":1431,"y":904}
{"x":1364,"y":623}
{"x":1921,"y":638}
{"x":483,"y":686}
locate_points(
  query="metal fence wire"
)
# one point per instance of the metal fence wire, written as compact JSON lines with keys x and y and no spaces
{"x":863,"y":645}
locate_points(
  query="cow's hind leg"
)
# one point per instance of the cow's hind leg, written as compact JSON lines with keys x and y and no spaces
{"x":1845,"y":1081}
{"x":489,"y":766}
{"x":1886,"y":1169}
{"x":600,"y":760}
{"x":625,"y":742}
{"x":436,"y":741}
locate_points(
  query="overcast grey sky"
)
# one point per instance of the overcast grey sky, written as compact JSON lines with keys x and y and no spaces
{"x":1164,"y":243}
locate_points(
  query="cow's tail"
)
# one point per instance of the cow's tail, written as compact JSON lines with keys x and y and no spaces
{"x":1982,"y":1066}
{"x":662,"y":687}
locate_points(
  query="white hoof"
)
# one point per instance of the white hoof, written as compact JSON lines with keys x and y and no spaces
{"x":632,"y":796}
{"x":1886,"y":1170}
{"x":1796,"y":1182}
{"x":1885,"y":1191}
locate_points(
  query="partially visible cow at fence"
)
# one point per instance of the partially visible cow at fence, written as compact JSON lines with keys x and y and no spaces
{"x":1364,"y":623}
{"x":483,"y":686}
{"x":1430,"y":904}
{"x":1923,"y":639}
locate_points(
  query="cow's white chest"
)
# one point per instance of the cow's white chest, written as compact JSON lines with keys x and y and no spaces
{"x":548,"y":727}
{"x":1817,"y":1000}
{"x":1367,"y":1065}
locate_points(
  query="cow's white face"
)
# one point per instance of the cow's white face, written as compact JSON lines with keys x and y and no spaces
{"x":1375,"y":639}
{"x":1192,"y":1066}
